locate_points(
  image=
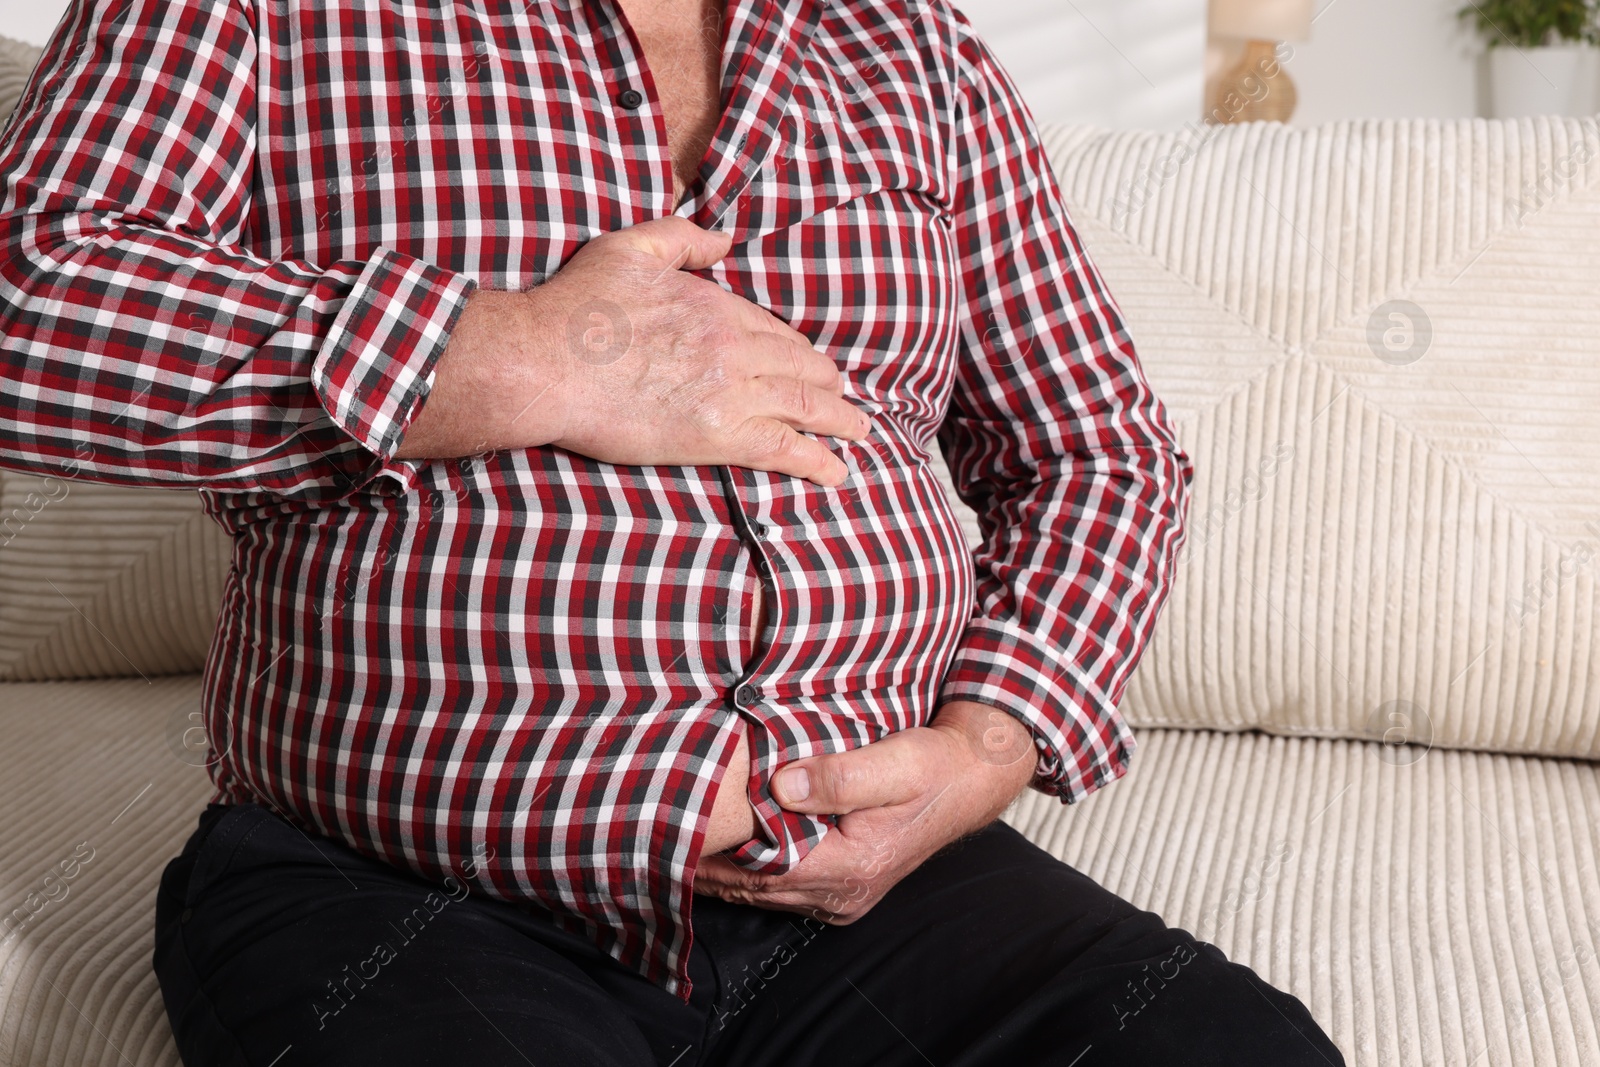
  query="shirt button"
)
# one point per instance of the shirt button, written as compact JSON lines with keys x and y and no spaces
{"x":759,"y":529}
{"x":630,"y":98}
{"x":747,"y":695}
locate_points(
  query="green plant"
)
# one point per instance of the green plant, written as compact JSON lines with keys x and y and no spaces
{"x":1532,"y":23}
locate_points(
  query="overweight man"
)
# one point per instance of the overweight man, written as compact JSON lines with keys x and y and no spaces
{"x":601,"y":676}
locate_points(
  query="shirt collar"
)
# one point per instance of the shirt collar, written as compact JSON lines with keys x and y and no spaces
{"x":763,"y":54}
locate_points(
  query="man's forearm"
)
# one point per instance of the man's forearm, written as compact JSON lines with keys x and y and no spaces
{"x":1004,"y":756}
{"x":495,"y":384}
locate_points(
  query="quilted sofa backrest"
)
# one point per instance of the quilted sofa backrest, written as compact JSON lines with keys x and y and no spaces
{"x":1381,"y":344}
{"x":16,"y":61}
{"x":100,"y":580}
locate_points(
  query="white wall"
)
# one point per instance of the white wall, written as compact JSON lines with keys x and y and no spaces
{"x":1385,"y":59}
{"x":1107,"y":62}
{"x":1111,"y":62}
{"x":31,"y":20}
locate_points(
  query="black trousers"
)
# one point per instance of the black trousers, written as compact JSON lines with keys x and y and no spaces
{"x":279,"y":949}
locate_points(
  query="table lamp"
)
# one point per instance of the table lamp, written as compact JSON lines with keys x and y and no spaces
{"x":1256,"y":87}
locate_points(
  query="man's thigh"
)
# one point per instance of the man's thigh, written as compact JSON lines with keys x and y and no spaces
{"x":994,"y":953}
{"x":277,"y":948}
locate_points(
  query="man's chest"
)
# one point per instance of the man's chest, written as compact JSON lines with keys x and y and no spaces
{"x":496,"y":138}
{"x":682,"y":44}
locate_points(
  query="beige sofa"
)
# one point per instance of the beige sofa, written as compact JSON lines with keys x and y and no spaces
{"x":1364,"y":721}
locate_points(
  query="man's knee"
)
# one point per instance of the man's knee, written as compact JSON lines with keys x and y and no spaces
{"x":1184,"y":998}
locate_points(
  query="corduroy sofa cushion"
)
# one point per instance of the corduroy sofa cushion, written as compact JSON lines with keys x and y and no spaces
{"x":1440,"y":912}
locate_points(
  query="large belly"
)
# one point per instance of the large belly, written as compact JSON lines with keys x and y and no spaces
{"x":541,"y":579}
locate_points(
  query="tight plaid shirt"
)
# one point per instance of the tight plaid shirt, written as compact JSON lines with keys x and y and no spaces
{"x":236,"y":237}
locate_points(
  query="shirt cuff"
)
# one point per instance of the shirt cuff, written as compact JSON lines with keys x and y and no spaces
{"x":1082,"y":739}
{"x":376,"y":364}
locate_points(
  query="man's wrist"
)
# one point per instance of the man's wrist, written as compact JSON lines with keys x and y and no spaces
{"x":544,"y":348}
{"x":998,"y":748}
{"x":500,"y":382}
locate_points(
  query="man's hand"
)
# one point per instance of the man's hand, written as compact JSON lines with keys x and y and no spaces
{"x":900,"y":801}
{"x":624,"y":356}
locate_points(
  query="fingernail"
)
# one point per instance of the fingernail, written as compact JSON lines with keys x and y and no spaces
{"x":794,"y":785}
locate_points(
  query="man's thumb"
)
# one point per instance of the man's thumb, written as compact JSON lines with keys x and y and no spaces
{"x":869,"y":777}
{"x":676,"y":240}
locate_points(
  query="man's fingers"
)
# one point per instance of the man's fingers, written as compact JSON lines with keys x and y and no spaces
{"x":773,"y":355}
{"x":721,"y":871}
{"x":677,"y":241}
{"x":873,"y":776}
{"x":772,"y":445}
{"x":825,"y":886}
{"x":806,"y":407}
{"x":718,"y":877}
{"x":758,"y":320}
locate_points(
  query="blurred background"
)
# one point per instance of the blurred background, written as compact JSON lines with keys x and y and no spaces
{"x":1145,"y":63}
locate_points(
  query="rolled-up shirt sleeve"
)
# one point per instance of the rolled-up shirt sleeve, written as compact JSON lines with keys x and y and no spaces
{"x":142,"y":343}
{"x":1055,"y":439}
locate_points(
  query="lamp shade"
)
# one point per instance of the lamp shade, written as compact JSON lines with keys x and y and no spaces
{"x":1262,"y":20}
